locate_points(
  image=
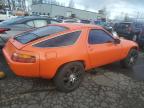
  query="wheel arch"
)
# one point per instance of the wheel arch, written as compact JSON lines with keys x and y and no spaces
{"x":133,"y":47}
{"x":80,"y":61}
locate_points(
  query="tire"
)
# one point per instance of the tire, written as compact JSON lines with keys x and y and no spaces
{"x":131,"y":59}
{"x":69,"y":77}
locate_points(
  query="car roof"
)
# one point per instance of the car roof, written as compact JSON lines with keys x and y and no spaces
{"x":25,"y":18}
{"x":33,"y":17}
{"x":22,"y":19}
{"x":78,"y":25}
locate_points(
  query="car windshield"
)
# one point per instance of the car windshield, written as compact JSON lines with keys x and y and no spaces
{"x":10,"y":21}
{"x":38,"y":33}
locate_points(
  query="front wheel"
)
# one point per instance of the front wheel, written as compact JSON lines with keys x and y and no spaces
{"x":131,"y":59}
{"x":69,"y":77}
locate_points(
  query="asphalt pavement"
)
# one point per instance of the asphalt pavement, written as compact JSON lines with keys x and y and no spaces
{"x":110,"y":86}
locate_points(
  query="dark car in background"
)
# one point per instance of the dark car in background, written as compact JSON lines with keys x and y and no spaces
{"x":104,"y":24}
{"x":140,"y":39}
{"x":1,"y":20}
{"x":129,"y":30}
{"x":75,"y":20}
{"x":17,"y":25}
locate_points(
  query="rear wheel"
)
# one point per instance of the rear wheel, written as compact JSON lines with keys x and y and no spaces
{"x":69,"y":77}
{"x":131,"y":59}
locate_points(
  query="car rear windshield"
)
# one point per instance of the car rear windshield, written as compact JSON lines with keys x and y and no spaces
{"x":38,"y":33}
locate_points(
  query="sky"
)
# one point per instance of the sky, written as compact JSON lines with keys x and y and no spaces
{"x":115,"y":8}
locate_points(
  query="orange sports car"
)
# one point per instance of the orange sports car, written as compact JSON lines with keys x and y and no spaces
{"x":63,"y":52}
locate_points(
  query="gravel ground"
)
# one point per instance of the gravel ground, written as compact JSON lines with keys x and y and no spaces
{"x":106,"y":87}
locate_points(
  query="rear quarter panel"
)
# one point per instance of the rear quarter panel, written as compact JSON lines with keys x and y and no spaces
{"x":52,"y":58}
{"x":21,"y":69}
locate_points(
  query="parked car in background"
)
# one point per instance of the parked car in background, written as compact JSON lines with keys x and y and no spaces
{"x":129,"y":30}
{"x":140,"y":39}
{"x":108,"y":28}
{"x":74,"y":20}
{"x":1,"y":20}
{"x":69,"y":21}
{"x":63,"y":52}
{"x":21,"y":24}
{"x":59,"y":18}
{"x":84,"y":21}
{"x":105,"y":25}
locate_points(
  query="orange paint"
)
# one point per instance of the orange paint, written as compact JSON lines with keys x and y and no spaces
{"x":49,"y":60}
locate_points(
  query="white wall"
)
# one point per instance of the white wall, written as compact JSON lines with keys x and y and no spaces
{"x":55,"y":10}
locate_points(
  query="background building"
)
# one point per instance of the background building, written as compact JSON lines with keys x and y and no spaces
{"x":54,"y":10}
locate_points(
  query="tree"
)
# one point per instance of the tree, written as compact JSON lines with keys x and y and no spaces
{"x":126,"y":17}
{"x":2,"y":4}
{"x":86,"y":6}
{"x":71,"y":4}
{"x":9,"y":4}
{"x":104,"y":13}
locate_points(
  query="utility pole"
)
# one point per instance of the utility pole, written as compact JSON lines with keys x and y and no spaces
{"x":71,"y":3}
{"x":9,"y":5}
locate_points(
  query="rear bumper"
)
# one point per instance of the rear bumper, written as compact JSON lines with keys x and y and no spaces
{"x":22,"y":69}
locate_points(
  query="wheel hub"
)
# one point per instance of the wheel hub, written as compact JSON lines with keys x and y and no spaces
{"x":72,"y":78}
{"x":132,"y":60}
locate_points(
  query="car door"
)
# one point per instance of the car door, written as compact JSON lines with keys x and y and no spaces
{"x":101,"y":48}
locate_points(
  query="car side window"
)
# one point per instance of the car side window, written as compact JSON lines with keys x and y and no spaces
{"x":63,"y":40}
{"x":30,"y":23}
{"x":40,"y":23}
{"x":99,"y":37}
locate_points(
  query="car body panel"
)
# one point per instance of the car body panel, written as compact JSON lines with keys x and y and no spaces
{"x":103,"y":53}
{"x":23,"y":69}
{"x":50,"y":60}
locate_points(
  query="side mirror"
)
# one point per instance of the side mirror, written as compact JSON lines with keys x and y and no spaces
{"x":117,"y":41}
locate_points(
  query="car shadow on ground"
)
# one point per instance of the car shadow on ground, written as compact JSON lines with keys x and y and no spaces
{"x":135,"y":73}
{"x":107,"y":84}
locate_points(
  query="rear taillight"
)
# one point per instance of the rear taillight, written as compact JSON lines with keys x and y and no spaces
{"x":23,"y":58}
{"x":2,"y":30}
